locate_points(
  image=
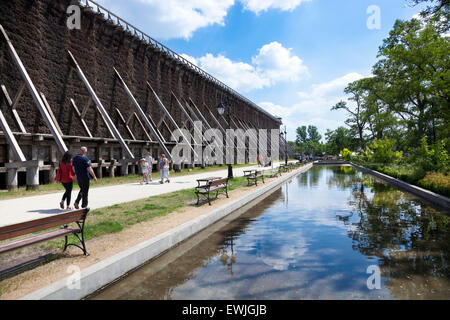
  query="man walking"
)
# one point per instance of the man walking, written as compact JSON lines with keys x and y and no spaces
{"x":83,"y":168}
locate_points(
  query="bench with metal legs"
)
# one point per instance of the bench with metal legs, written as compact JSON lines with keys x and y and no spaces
{"x":31,"y":227}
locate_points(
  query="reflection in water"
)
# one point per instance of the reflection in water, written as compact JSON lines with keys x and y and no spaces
{"x":315,"y":244}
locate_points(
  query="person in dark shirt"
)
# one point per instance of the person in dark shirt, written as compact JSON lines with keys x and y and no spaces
{"x":83,"y":168}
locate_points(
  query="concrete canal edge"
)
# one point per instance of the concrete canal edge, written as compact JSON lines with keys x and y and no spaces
{"x":101,"y":274}
{"x":425,"y":194}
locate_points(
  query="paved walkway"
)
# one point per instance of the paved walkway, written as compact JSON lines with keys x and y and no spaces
{"x":30,"y":208}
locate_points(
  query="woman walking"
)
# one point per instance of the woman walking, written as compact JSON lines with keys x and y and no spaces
{"x":66,"y":174}
{"x":164,"y":168}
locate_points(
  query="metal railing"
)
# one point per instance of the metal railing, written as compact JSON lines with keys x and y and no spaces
{"x":113,"y":18}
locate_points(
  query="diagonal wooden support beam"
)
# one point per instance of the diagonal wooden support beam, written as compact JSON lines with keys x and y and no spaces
{"x":11,"y":139}
{"x":169,"y":116}
{"x":50,"y":112}
{"x":142,"y":126}
{"x":34,"y":93}
{"x":125,"y":124}
{"x":143,"y":116}
{"x":86,"y":108}
{"x":150,"y":119}
{"x":116,"y":134}
{"x":86,"y":128}
{"x":12,"y":104}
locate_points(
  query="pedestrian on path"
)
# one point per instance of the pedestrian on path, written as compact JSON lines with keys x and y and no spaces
{"x":260,"y":160}
{"x":164,"y":168}
{"x":144,"y":169}
{"x":65,"y":177}
{"x":149,"y":160}
{"x":83,"y":168}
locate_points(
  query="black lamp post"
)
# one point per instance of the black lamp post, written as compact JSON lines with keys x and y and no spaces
{"x":286,"y":156}
{"x":221,"y":110}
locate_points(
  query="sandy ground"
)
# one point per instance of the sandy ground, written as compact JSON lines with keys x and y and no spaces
{"x":100,"y":248}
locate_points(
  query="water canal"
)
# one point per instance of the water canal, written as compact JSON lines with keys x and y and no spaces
{"x":315,"y":238}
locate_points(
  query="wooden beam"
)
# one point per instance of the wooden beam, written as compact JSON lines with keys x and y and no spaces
{"x":86,"y":128}
{"x":169,"y":116}
{"x":142,"y":126}
{"x":13,"y":104}
{"x":125,"y":124}
{"x":34,"y":93}
{"x":17,"y":151}
{"x":143,"y":116}
{"x":110,"y":124}
{"x":50,"y":112}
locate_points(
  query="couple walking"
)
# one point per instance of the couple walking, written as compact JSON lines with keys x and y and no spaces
{"x":68,"y":168}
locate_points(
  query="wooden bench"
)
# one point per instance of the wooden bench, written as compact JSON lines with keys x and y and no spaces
{"x":25,"y":228}
{"x":212,"y":186}
{"x":274,"y":173}
{"x":254,"y":176}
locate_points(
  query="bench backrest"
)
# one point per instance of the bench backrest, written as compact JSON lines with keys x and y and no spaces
{"x":218,"y":182}
{"x":20,"y":229}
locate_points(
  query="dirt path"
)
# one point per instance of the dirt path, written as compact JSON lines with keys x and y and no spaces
{"x":100,"y":248}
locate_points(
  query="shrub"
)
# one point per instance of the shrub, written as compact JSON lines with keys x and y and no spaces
{"x":383,"y":151}
{"x":346,"y":154}
{"x":437,"y":182}
{"x":434,"y":158}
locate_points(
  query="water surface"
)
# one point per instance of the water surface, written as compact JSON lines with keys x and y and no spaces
{"x":314,"y":238}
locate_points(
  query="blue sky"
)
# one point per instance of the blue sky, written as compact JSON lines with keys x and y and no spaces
{"x":291,"y":57}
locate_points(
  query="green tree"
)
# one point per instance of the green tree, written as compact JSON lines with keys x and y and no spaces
{"x":414,"y":69}
{"x":340,"y":139}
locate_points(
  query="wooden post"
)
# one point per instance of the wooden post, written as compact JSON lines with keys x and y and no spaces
{"x":112,"y":166}
{"x":100,"y":168}
{"x":33,"y":175}
{"x":12,"y":179}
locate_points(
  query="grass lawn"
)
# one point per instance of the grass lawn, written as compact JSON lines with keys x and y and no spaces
{"x":115,"y":218}
{"x":107,"y":181}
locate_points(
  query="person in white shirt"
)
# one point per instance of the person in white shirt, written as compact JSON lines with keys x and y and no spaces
{"x":144,"y":169}
{"x":149,"y":160}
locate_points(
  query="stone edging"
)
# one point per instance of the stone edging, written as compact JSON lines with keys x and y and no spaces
{"x":423,"y":193}
{"x":100,"y":274}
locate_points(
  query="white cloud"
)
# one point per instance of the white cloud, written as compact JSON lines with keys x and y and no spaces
{"x":277,"y":63}
{"x":272,"y":65}
{"x":174,"y":18}
{"x":263,"y":5}
{"x":238,"y":75}
{"x":314,"y":106}
{"x":181,"y":18}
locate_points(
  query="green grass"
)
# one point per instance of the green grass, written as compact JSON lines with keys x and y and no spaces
{"x":107,"y":181}
{"x":115,"y":218}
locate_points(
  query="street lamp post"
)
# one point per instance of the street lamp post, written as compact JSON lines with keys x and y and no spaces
{"x":286,"y":156}
{"x":221,"y":110}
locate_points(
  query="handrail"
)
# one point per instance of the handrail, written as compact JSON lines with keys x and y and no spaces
{"x":145,"y":37}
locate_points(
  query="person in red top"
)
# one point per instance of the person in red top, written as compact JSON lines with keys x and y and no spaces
{"x":66,"y":178}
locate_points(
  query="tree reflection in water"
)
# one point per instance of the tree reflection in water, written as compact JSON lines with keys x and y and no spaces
{"x":411,"y":239}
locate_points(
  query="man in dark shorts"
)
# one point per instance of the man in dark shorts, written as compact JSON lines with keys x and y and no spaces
{"x":83,"y":168}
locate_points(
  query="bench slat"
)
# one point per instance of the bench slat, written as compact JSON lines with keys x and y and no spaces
{"x":16,"y":230}
{"x":14,"y":245}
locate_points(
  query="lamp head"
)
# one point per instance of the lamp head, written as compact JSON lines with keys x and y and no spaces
{"x":221,"y":109}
